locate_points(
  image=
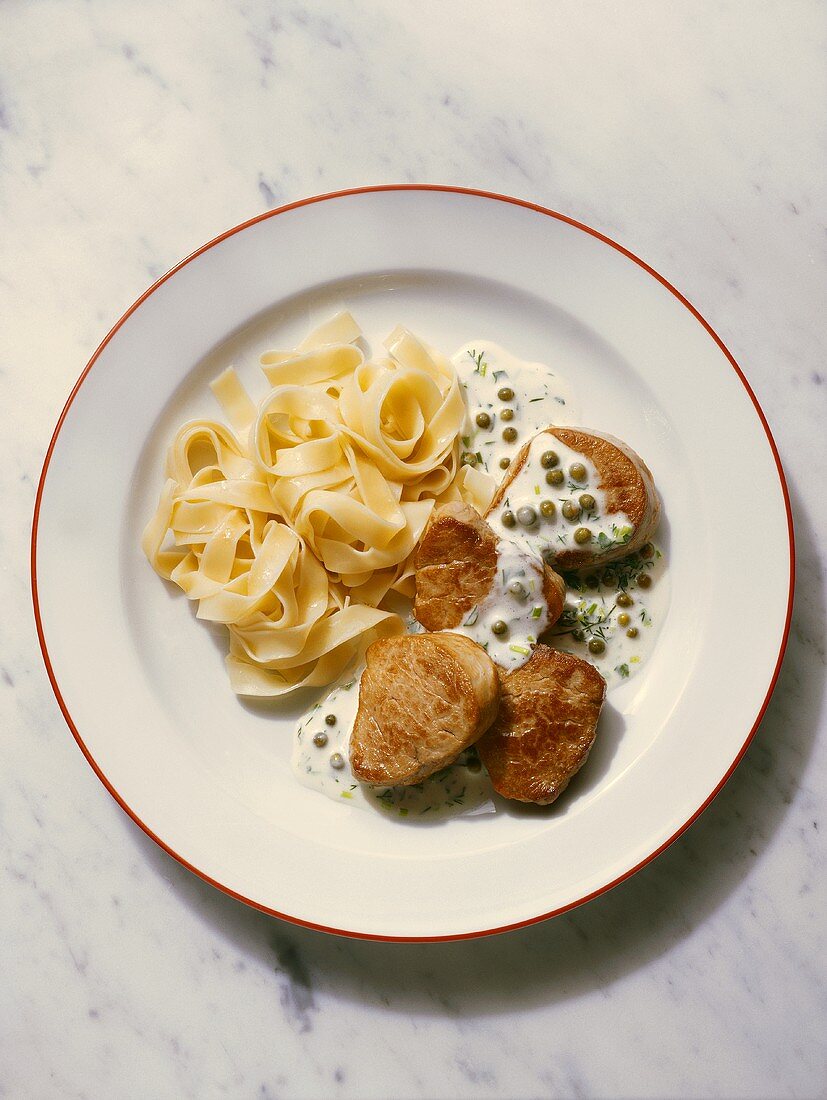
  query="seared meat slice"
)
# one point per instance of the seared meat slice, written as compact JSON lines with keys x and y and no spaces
{"x":623,"y":477}
{"x":422,"y":700}
{"x":456,"y":564}
{"x":456,"y":569}
{"x":545,"y":727}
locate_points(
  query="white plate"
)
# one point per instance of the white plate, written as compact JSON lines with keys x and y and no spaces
{"x":142,"y":684}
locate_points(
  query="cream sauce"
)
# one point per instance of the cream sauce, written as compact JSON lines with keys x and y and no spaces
{"x":540,"y":398}
{"x":515,"y":600}
{"x":620,"y":606}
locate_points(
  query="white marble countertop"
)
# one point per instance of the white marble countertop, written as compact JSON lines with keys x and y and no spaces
{"x":694,"y":133}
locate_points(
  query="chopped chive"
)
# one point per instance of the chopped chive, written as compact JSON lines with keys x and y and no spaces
{"x":521,"y":649}
{"x":536,"y":612}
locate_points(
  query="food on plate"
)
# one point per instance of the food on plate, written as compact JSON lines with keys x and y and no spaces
{"x":423,"y":699}
{"x":576,"y":497}
{"x":455,"y":563}
{"x":545,"y":727}
{"x":354,"y":480}
{"x":468,"y":578}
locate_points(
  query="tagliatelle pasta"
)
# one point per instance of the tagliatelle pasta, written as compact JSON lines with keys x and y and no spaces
{"x":292,"y":523}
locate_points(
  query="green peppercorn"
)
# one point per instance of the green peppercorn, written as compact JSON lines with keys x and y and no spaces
{"x":644,"y":581}
{"x":505,"y":393}
{"x":505,"y":463}
{"x":468,"y":458}
{"x":624,"y":600}
{"x":509,"y":434}
{"x":337,"y":761}
{"x":647,"y":551}
{"x":508,"y":519}
{"x":330,"y":719}
{"x":549,"y":459}
{"x":526,"y":516}
{"x":483,"y":420}
{"x":623,"y":619}
{"x":320,"y":739}
{"x":554,"y":477}
{"x":571,"y":510}
{"x":631,"y":632}
{"x":597,"y":645}
{"x":587,"y":502}
{"x":578,"y":471}
{"x":507,"y":414}
{"x":592,"y":581}
{"x":548,"y":508}
{"x":582,"y":535}
{"x":499,"y":627}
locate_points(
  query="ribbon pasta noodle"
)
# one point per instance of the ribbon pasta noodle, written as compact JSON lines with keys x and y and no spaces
{"x":293,"y":522}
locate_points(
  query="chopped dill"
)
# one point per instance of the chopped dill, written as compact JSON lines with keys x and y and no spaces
{"x":585,"y":623}
{"x":479,"y":360}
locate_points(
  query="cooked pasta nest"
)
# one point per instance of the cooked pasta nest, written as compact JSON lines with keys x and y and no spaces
{"x":294,"y":522}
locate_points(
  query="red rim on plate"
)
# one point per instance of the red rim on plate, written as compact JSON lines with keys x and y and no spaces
{"x":324,"y":198}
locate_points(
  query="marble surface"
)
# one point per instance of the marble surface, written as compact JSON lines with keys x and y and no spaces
{"x":692,"y":132}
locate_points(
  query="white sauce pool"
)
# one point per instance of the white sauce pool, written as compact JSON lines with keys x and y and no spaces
{"x":593,"y":615}
{"x":516,"y":599}
{"x":540,"y":398}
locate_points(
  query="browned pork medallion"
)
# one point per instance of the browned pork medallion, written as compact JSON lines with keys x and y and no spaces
{"x":545,"y":727}
{"x":456,"y":568}
{"x":422,"y":700}
{"x":623,"y":477}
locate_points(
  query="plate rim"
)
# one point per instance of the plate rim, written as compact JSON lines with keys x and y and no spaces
{"x":413,"y":187}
